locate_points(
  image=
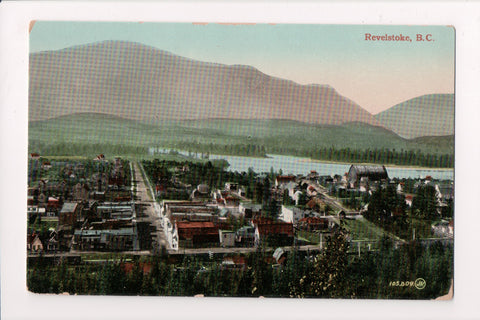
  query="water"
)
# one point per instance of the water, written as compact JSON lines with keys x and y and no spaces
{"x":298,"y":165}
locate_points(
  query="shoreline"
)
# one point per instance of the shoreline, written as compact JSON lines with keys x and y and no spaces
{"x":396,"y":166}
{"x":267,"y":156}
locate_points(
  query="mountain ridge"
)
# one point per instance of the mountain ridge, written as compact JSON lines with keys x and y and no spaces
{"x":144,"y":83}
{"x":422,"y":116}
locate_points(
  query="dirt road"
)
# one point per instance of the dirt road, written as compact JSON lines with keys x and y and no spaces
{"x":145,"y":200}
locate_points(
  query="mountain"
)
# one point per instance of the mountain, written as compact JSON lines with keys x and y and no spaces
{"x":139,"y":82}
{"x":427,"y":115}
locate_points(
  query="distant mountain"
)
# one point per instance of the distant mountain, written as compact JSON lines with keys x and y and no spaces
{"x":428,"y":115}
{"x":139,"y":82}
{"x":277,"y":136}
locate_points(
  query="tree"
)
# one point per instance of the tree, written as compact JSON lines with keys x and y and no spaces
{"x":424,"y":205}
{"x":328,"y":277}
{"x":302,"y":199}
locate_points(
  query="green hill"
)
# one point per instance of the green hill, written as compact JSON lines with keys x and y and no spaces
{"x":428,"y":115}
{"x":222,"y":136}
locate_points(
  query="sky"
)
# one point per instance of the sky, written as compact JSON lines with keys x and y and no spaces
{"x":375,"y":74}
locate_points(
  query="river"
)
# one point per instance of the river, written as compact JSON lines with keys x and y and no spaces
{"x":298,"y":165}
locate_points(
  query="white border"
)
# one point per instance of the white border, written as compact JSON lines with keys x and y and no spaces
{"x":17,"y":303}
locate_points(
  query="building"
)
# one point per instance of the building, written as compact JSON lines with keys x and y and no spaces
{"x":116,"y":210}
{"x":188,"y":211}
{"x":245,"y":236}
{"x":122,"y":239}
{"x":227,"y":238}
{"x":249,"y":210}
{"x":362,"y":173}
{"x":80,"y":192}
{"x":69,"y":213}
{"x":34,"y":243}
{"x":291,"y":214}
{"x":201,"y":193}
{"x":194,"y":234}
{"x":315,"y":224}
{"x":272,"y":233}
{"x":283,"y":180}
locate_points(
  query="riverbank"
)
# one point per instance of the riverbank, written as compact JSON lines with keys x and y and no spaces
{"x":396,"y":166}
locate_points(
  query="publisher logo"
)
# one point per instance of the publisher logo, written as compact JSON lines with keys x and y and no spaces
{"x":420,"y":283}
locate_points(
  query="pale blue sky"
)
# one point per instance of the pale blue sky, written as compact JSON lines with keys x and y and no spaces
{"x":376,"y":75}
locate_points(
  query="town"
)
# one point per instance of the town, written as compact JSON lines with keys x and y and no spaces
{"x":112,"y":209}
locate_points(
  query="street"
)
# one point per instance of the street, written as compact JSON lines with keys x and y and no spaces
{"x":145,"y":199}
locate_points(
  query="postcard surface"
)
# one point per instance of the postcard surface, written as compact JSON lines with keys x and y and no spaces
{"x":241,"y":160}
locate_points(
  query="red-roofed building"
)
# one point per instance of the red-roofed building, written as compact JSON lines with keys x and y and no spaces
{"x":313,"y":223}
{"x":53,"y":204}
{"x":409,"y":199}
{"x":128,"y":267}
{"x":197,"y":233}
{"x":282,"y":180}
{"x":274,"y":233}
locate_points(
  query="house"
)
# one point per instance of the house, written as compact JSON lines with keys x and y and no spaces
{"x":52,"y":243}
{"x":409,"y":199}
{"x":272,"y":233}
{"x":34,"y":243}
{"x":283,"y":180}
{"x":443,"y":229}
{"x":444,"y":192}
{"x":80,"y":192}
{"x":227,"y":238}
{"x":315,"y":223}
{"x":280,"y":256}
{"x":297,"y":196}
{"x":34,"y":156}
{"x":357,"y":173}
{"x":311,"y":191}
{"x":201,"y":193}
{"x":53,"y":204}
{"x":245,"y":236}
{"x":249,"y":210}
{"x":291,"y":214}
{"x":68,"y":213}
{"x":30,"y":200}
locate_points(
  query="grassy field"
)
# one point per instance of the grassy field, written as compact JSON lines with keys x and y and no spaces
{"x":362,"y":229}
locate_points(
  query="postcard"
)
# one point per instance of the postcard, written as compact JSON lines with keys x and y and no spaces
{"x":241,"y":160}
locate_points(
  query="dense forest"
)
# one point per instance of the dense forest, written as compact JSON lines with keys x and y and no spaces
{"x":346,"y":155}
{"x":388,"y":273}
{"x":382,"y":156}
{"x":85,"y":149}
